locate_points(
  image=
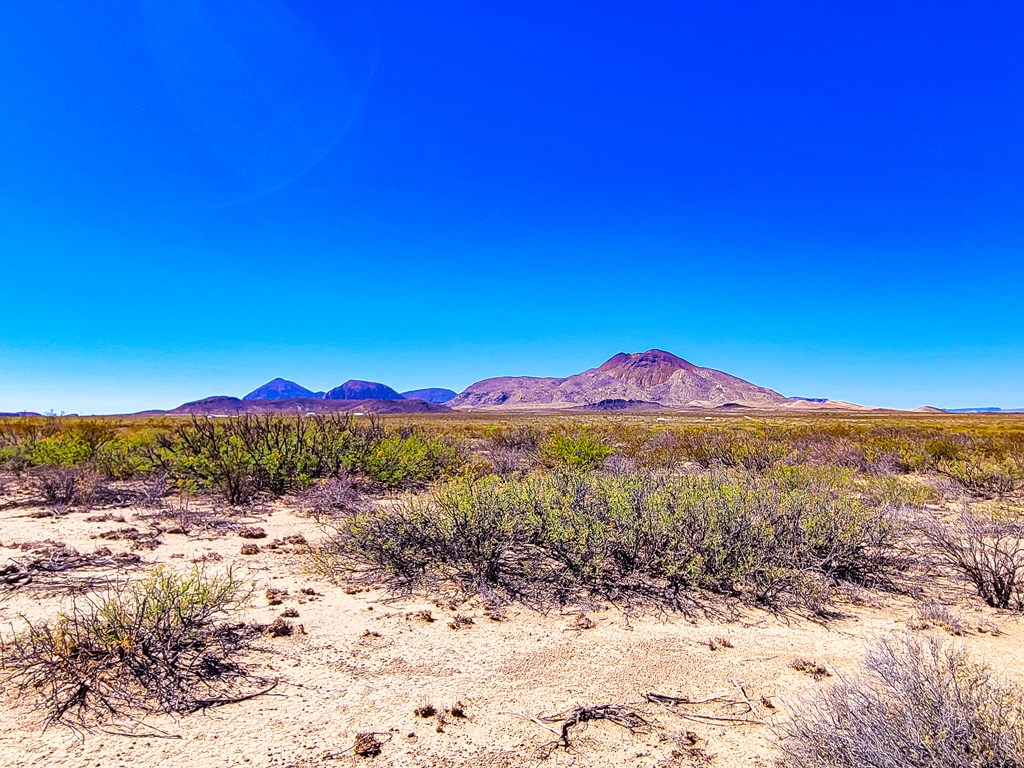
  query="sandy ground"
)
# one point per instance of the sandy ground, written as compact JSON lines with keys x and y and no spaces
{"x":366,"y":661}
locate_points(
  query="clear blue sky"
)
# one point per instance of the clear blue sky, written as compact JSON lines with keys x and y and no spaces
{"x":196,"y":196}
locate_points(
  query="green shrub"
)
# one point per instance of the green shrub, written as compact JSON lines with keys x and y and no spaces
{"x":659,"y":536}
{"x":407,"y":462}
{"x":243,"y":456}
{"x":65,"y":449}
{"x":575,"y":449}
{"x":129,"y":455}
{"x":986,"y":478}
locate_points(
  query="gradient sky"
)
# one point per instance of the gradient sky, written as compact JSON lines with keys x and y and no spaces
{"x":195,"y":197}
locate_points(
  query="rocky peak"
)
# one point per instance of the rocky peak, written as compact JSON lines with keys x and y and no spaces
{"x":645,"y":369}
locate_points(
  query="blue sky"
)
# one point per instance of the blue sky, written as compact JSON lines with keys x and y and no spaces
{"x":825,"y":199}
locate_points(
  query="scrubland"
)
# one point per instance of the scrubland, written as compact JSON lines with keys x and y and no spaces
{"x":655,"y":590}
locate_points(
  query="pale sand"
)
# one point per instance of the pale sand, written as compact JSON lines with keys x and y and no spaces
{"x":337,"y":680}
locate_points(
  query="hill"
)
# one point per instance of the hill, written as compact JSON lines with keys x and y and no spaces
{"x":354,"y":389}
{"x":232,"y":406}
{"x":279,"y":389}
{"x":654,"y":376}
{"x":622,"y":405}
{"x":430,"y":394}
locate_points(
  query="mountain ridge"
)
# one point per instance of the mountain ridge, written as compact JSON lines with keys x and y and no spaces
{"x":653,"y":379}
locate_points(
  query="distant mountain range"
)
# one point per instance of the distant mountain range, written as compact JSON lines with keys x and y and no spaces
{"x":637,"y":382}
{"x":224,"y":405}
{"x":353,"y":389}
{"x":986,"y":409}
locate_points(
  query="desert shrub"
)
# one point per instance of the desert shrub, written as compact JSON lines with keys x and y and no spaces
{"x":888,"y":451}
{"x":748,"y":449}
{"x":334,"y":497}
{"x":111,"y":449}
{"x":64,"y":486}
{"x":407,"y":461}
{"x":397,"y":540}
{"x":514,"y":450}
{"x":654,"y":535}
{"x":919,"y":704}
{"x":900,"y":491}
{"x":519,"y":438}
{"x":247,"y":455}
{"x":985,"y":478}
{"x":576,"y":448}
{"x":65,"y":449}
{"x":129,"y":455}
{"x":989,"y":553}
{"x":75,"y":444}
{"x":158,"y":645}
{"x":16,"y":458}
{"x":212,"y":457}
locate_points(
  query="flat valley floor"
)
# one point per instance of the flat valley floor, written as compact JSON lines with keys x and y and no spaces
{"x":363,"y":660}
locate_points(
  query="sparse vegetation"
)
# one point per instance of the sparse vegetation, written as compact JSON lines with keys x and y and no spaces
{"x":818,"y":516}
{"x":65,"y":486}
{"x":158,"y":645}
{"x":919,"y":703}
{"x":989,"y":553}
{"x":935,"y":614}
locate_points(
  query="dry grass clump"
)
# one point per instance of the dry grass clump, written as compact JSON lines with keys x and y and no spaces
{"x":809,"y":667}
{"x":157,"y":645}
{"x":460,"y":622}
{"x":367,"y":744}
{"x":918,"y":703}
{"x":935,"y":614}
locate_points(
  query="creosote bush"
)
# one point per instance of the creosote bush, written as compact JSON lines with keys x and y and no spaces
{"x":578,"y":449}
{"x":919,"y":704}
{"x":769,"y":539}
{"x":158,"y":645}
{"x":986,"y":478}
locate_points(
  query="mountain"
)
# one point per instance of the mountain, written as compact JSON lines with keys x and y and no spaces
{"x":231,"y":406}
{"x":654,"y":376}
{"x":279,"y":389}
{"x":430,"y":395}
{"x":353,"y":389}
{"x":219,"y":404}
{"x":986,"y":409}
